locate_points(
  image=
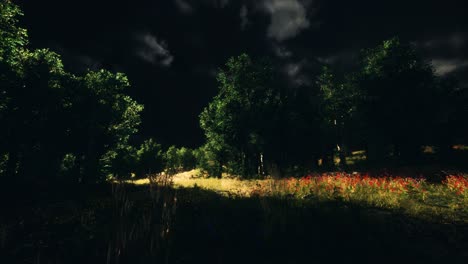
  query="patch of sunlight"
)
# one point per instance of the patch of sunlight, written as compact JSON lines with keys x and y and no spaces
{"x":226,"y":186}
{"x":355,"y":157}
{"x":358,"y":152}
{"x":428,"y":149}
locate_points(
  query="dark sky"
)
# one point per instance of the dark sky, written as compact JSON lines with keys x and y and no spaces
{"x":171,"y":49}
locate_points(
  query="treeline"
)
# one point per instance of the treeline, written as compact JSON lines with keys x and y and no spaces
{"x":392,"y":107}
{"x":59,"y":126}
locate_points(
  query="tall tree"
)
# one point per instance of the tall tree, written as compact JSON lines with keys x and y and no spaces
{"x":48,"y":115}
{"x":238,"y":121}
{"x":13,"y":40}
{"x":103,"y":117}
{"x":398,"y":102}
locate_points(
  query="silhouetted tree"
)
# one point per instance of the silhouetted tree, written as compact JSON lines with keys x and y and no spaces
{"x":50,"y":117}
{"x":397,"y":88}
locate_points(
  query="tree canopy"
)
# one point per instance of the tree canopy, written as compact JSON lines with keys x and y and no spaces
{"x":48,"y":114}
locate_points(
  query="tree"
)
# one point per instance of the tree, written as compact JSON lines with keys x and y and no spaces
{"x":338,"y":114}
{"x":102,"y":118}
{"x":398,"y":103}
{"x":31,"y":113}
{"x":172,"y":160}
{"x":13,"y":40}
{"x":150,"y":158}
{"x":49,"y":116}
{"x":186,"y":158}
{"x":451,"y":119}
{"x":120,"y":162}
{"x":238,"y":121}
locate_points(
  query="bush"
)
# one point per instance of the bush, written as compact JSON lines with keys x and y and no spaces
{"x":150,"y":158}
{"x":181,"y":159}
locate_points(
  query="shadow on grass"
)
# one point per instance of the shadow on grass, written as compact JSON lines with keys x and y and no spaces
{"x":139,"y":224}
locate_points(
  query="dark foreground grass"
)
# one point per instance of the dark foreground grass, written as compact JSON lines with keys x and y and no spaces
{"x":142,"y":224}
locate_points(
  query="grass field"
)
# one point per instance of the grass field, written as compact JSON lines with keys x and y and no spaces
{"x":445,"y":201}
{"x":330,"y":218}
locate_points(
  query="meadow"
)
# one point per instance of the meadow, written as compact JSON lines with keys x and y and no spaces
{"x":326,"y":218}
{"x":441,"y":201}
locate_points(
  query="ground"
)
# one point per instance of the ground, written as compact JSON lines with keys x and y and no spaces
{"x":213,"y":221}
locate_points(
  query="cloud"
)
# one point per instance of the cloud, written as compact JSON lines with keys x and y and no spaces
{"x":446,"y":52}
{"x":345,"y":57}
{"x":295,"y":72}
{"x":281,"y":51}
{"x":243,"y":16}
{"x":288,"y":18}
{"x":452,"y":41}
{"x":447,"y":47}
{"x":184,"y":7}
{"x":153,"y":51}
{"x":446,"y":66}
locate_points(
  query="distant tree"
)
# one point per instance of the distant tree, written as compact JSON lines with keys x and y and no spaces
{"x":208,"y":160}
{"x":398,"y":89}
{"x":150,"y":158}
{"x":338,"y":113}
{"x":186,"y":157}
{"x":120,"y":162}
{"x":172,"y":160}
{"x":451,"y":119}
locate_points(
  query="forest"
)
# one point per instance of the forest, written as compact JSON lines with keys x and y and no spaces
{"x":370,"y":163}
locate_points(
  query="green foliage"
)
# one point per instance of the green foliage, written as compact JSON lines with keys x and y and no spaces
{"x":119,"y":162}
{"x":338,"y":113}
{"x":207,"y":161}
{"x":234,"y":122}
{"x":187,"y":159}
{"x":171,"y":160}
{"x":398,"y":97}
{"x":180,"y":159}
{"x":49,"y":115}
{"x":338,"y":100}
{"x":13,"y":38}
{"x":150,"y":158}
{"x":100,"y":119}
{"x":68,"y":166}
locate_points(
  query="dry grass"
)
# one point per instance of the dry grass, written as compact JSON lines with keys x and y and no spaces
{"x":230,"y":186}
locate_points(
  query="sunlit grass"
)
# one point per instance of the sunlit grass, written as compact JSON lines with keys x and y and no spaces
{"x":226,"y":185}
{"x":417,"y":197}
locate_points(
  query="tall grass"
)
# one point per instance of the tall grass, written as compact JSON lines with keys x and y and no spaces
{"x":448,"y":199}
{"x":415,"y":196}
